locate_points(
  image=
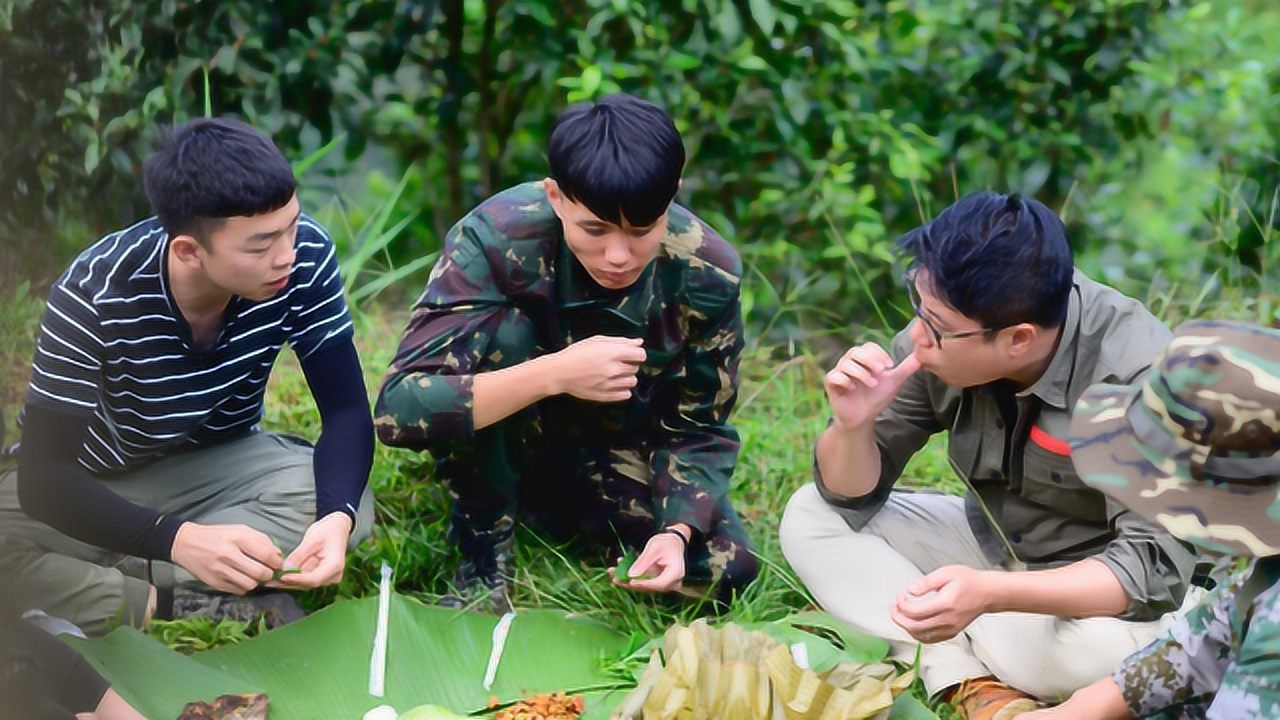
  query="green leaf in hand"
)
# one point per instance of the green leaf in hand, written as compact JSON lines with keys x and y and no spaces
{"x":623,"y":571}
{"x":285,"y":571}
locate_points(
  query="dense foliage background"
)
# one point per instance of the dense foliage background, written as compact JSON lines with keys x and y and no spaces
{"x":818,"y":130}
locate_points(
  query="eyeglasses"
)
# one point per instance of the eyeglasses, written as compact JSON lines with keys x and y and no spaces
{"x":938,"y":336}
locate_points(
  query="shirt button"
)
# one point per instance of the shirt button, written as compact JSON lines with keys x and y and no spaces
{"x":1016,"y":537}
{"x":999,"y":424}
{"x":1056,"y":477}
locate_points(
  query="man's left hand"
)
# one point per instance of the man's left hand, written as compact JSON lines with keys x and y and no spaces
{"x":941,"y":605}
{"x":663,"y":556}
{"x":321,"y":556}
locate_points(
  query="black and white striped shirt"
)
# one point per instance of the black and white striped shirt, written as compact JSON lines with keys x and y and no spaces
{"x":113,"y":345}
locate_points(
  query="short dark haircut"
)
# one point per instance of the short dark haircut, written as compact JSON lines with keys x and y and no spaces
{"x":212,"y":169}
{"x":619,"y":156}
{"x":998,"y":259}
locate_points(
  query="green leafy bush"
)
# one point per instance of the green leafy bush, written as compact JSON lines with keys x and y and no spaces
{"x":88,"y":82}
{"x":818,"y":131}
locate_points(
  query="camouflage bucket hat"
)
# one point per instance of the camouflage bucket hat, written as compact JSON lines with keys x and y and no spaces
{"x":1195,"y":446}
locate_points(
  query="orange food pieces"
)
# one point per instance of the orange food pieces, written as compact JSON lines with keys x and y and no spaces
{"x":543,"y":706}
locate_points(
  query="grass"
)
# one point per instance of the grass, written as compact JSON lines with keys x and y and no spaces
{"x":781,"y":410}
{"x":195,"y":634}
{"x":780,"y":413}
{"x":19,"y":321}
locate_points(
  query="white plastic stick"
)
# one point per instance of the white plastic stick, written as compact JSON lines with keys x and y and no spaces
{"x":378,"y":661}
{"x":800,"y":655}
{"x":495,"y":653}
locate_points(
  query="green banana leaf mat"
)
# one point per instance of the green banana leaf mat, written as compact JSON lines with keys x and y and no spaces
{"x":318,"y":667}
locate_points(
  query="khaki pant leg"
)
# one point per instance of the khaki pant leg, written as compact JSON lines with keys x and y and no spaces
{"x":1045,"y":656}
{"x":264,"y":481}
{"x":40,"y":568}
{"x":1051,"y":657}
{"x":857,"y":576}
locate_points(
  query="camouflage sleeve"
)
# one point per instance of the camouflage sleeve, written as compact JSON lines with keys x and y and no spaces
{"x":426,"y":396}
{"x":1153,"y":567}
{"x":1250,"y":690}
{"x":1185,"y":667}
{"x":695,"y":458}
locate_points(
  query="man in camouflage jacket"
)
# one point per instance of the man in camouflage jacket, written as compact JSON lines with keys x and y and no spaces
{"x":575,"y":354}
{"x":1196,"y":447}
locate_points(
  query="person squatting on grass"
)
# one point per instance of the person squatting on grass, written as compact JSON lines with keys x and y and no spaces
{"x":143,"y":487}
{"x":1033,"y":584}
{"x":575,"y":357}
{"x":41,"y":677}
{"x":1196,"y":448}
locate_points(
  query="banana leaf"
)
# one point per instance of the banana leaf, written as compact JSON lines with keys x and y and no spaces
{"x":319,"y":666}
{"x":852,"y":646}
{"x":906,"y":707}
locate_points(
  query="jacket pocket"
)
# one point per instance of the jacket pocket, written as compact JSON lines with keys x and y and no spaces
{"x":1050,"y":479}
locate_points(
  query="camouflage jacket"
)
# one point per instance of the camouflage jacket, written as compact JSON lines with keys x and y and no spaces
{"x":506,"y":260}
{"x":1221,"y":661}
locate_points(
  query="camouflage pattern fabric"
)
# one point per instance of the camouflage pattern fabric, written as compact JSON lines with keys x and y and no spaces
{"x":507,"y":289}
{"x":1196,"y":445}
{"x":1220,"y":661}
{"x":575,"y":483}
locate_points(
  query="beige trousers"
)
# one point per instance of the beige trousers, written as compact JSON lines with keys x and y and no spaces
{"x":264,"y":481}
{"x":856,"y":576}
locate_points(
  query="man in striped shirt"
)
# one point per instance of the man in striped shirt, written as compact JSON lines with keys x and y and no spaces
{"x":144,"y":487}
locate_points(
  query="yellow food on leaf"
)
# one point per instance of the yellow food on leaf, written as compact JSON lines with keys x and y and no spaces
{"x":730,"y":674}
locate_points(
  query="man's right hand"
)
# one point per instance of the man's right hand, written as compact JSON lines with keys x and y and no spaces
{"x":601,"y":368}
{"x":864,"y":382}
{"x":228,"y":558}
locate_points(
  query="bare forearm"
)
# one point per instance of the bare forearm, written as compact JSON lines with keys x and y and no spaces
{"x":1099,"y":701}
{"x":1083,"y":589}
{"x":849,"y":460}
{"x":500,"y":393}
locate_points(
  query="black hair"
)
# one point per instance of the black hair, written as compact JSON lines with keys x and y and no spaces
{"x":999,"y":259}
{"x":212,"y":169}
{"x":619,"y":156}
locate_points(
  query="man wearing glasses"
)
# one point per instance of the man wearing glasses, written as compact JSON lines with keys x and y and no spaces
{"x":1033,"y":584}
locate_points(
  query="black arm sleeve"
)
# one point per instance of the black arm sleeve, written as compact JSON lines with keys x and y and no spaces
{"x":344,"y":452}
{"x":41,"y":677}
{"x":56,"y":490}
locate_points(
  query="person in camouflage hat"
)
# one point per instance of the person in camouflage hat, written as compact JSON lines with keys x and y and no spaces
{"x":575,"y":355}
{"x":1196,"y":447}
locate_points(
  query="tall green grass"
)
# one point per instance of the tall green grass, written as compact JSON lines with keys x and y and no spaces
{"x":781,"y":410}
{"x":780,"y":413}
{"x":19,"y":320}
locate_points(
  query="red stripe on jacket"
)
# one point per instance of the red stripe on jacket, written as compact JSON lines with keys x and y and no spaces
{"x":1049,"y":442}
